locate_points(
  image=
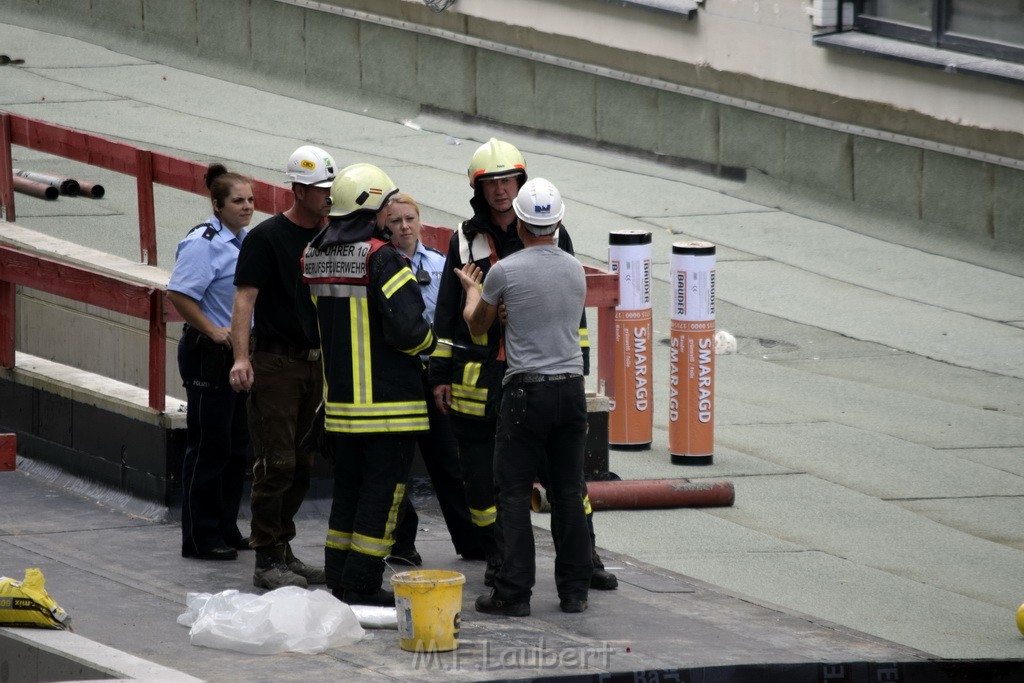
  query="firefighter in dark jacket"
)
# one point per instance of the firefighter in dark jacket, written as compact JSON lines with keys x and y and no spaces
{"x":372,"y":333}
{"x":465,"y":371}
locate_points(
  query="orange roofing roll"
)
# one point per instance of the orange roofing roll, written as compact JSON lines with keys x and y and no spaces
{"x":691,"y":410}
{"x":631,"y":408}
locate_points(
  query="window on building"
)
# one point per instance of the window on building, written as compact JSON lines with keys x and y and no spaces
{"x":989,"y":28}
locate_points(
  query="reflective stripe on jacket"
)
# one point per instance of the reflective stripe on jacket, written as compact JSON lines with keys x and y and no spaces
{"x":372,"y":331}
{"x":473,"y":366}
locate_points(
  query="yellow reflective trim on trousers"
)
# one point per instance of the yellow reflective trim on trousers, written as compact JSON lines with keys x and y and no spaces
{"x":367,"y":545}
{"x":586,"y":505}
{"x":396,"y":505}
{"x":584,"y":338}
{"x":338,"y":540}
{"x":381,"y":547}
{"x":397,"y":280}
{"x":359,"y":331}
{"x":484,"y":517}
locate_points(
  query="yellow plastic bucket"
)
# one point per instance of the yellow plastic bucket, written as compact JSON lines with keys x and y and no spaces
{"x":429,"y":607}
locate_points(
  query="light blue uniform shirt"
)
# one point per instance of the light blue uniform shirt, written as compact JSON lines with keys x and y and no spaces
{"x":430,"y":261}
{"x":205,"y":269}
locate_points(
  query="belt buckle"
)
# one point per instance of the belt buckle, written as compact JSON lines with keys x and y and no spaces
{"x":313,"y":355}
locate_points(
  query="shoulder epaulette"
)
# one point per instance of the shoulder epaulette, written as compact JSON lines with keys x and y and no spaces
{"x":210,"y":232}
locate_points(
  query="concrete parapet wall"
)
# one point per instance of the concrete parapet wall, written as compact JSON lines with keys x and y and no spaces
{"x":415,"y":56}
{"x":28,"y":654}
{"x":78,"y":395}
{"x":93,"y":426}
{"x":105,"y":342}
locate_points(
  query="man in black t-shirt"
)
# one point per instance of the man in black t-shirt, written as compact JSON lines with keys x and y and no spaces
{"x":282,"y":368}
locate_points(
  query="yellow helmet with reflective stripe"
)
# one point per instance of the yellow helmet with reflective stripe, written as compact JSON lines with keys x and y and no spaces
{"x":496,"y":159}
{"x":360,"y":187}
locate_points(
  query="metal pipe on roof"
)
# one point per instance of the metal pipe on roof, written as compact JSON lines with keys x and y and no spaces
{"x":34,"y":188}
{"x":94,"y":190}
{"x":66,"y":186}
{"x":648,"y":494}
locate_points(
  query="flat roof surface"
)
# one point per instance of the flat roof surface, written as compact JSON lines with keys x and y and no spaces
{"x":871,"y":421}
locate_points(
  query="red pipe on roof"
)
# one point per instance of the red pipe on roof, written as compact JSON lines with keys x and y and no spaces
{"x":648,"y":494}
{"x":36,"y":189}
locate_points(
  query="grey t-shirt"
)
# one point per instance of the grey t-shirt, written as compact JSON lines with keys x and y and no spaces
{"x":544,"y":290}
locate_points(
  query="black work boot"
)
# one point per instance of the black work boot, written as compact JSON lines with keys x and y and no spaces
{"x":572,"y":605}
{"x":272,"y":572}
{"x":602,"y":579}
{"x":312,"y":575}
{"x":492,"y":604}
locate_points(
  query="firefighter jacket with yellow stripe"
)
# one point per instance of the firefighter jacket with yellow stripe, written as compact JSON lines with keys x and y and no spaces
{"x":372,"y":329}
{"x":475,"y":366}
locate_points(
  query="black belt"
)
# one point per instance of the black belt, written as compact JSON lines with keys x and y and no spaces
{"x":534,"y":377}
{"x":196,"y":340}
{"x":282,"y":349}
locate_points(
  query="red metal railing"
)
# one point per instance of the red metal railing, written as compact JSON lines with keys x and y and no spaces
{"x":147,"y":167}
{"x":86,"y":286}
{"x":120,"y":294}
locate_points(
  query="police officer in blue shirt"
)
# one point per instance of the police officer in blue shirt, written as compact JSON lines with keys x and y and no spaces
{"x":404,"y":222}
{"x":202,"y":289}
{"x":438,"y":448}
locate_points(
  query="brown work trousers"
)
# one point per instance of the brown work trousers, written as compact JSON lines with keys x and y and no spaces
{"x":282,"y":406}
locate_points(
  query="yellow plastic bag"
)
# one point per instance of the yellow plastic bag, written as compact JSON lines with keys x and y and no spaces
{"x":26,"y":603}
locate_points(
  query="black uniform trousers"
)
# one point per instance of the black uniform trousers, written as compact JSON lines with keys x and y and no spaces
{"x":542,"y":427}
{"x":370,"y":473}
{"x":217,"y":447}
{"x":476,"y":459}
{"x":440,"y":453}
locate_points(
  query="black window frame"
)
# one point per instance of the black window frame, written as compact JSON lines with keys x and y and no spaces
{"x":937,"y":35}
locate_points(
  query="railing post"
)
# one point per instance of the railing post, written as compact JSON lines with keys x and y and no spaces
{"x":157,"y":351}
{"x":147,"y":207}
{"x":7,"y":324}
{"x":6,"y":172}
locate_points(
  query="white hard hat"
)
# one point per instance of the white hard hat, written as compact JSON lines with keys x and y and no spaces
{"x":311,"y":165}
{"x":539,"y":205}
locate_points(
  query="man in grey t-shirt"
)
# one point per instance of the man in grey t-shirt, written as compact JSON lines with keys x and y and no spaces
{"x":542,"y":422}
